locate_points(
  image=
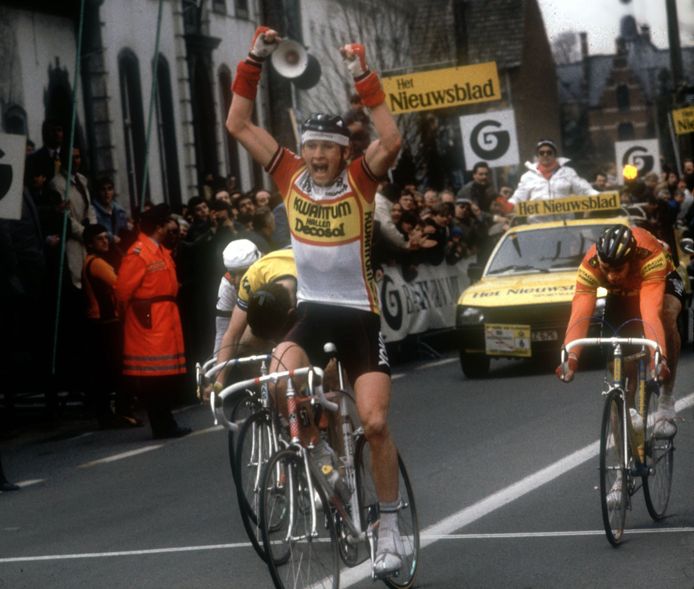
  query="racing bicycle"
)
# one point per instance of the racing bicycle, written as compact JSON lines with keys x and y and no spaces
{"x":631,"y":454}
{"x":307,"y":527}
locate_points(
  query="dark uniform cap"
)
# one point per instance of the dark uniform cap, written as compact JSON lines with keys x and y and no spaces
{"x":157,"y":215}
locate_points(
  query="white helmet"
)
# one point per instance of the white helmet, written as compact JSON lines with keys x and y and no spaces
{"x":240,"y":254}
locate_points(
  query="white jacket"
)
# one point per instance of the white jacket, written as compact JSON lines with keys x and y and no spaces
{"x":564,"y":182}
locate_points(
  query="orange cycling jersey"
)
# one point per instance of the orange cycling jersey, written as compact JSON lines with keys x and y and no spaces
{"x":643,"y":288}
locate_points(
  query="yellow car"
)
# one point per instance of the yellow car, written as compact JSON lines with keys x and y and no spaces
{"x":520,"y":305}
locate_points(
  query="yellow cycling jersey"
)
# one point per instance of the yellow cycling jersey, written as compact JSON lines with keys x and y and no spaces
{"x":270,"y":268}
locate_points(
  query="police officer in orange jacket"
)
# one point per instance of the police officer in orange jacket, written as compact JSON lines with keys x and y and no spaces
{"x":154,"y":359}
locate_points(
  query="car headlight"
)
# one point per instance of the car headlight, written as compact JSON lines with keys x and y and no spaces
{"x":470,"y":316}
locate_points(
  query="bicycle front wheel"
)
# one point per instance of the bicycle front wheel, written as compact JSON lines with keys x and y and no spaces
{"x":407,"y":515}
{"x":613,"y":477}
{"x":245,"y":406}
{"x":297,"y":527}
{"x":659,"y":460}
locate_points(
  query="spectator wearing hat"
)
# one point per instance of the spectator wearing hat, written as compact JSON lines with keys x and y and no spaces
{"x":237,"y":256}
{"x":479,"y":190}
{"x":104,"y":336}
{"x":154,"y":360}
{"x":548,"y":177}
{"x":111,"y":215}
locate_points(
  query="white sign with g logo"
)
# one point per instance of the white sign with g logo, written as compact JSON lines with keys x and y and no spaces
{"x":643,"y":153}
{"x":490,"y":137}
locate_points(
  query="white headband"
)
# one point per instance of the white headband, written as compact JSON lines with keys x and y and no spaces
{"x":323,"y":136}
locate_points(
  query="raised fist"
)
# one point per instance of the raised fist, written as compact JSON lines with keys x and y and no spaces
{"x":264,"y":42}
{"x":355,"y":58}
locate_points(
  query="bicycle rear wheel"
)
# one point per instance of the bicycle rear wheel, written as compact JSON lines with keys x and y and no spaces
{"x":659,"y":459}
{"x":254,"y":447}
{"x":407,"y":516}
{"x":301,"y":550}
{"x":613,"y":478}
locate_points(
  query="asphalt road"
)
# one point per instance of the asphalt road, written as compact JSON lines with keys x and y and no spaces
{"x":504,"y":471}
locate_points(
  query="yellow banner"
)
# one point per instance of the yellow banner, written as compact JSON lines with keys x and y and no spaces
{"x":456,"y":86}
{"x":571,"y":204}
{"x":683,"y":120}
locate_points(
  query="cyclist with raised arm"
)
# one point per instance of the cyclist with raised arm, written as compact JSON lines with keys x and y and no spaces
{"x":641,"y":281}
{"x":330,"y":206}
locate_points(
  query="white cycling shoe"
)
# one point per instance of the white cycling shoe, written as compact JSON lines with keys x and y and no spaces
{"x":665,"y":427}
{"x":389,"y":553}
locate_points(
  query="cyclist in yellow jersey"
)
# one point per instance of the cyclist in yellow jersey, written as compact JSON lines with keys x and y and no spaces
{"x":330,"y":202}
{"x":277,"y":267}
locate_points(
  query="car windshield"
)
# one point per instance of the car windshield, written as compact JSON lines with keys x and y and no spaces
{"x":544,"y":250}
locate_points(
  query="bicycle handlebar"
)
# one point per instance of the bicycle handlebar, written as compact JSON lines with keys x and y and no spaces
{"x":211,"y":372}
{"x":274,"y":377}
{"x":599,"y":341}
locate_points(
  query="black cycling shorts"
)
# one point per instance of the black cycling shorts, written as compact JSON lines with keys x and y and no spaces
{"x":622,"y":313}
{"x":355,"y":333}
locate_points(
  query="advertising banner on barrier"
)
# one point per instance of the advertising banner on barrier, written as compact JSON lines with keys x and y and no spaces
{"x":425,"y":303}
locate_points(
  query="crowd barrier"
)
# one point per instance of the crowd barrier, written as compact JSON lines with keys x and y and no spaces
{"x":426,"y":303}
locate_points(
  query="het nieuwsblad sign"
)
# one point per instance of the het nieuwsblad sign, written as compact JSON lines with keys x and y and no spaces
{"x":445,"y":88}
{"x":571,"y":204}
{"x":683,"y":119}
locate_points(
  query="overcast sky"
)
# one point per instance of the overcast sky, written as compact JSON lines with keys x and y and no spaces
{"x":600,"y":19}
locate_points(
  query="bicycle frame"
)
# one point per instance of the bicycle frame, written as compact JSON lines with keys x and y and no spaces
{"x":619,"y":383}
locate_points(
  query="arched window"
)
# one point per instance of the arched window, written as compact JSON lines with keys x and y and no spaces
{"x":166,"y":133}
{"x":15,"y":120}
{"x":625,"y":131}
{"x":623,"y":102}
{"x":232,"y":152}
{"x":133,"y":125}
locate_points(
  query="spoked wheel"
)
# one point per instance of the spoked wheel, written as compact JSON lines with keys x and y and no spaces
{"x":659,"y":459}
{"x":255,"y":444}
{"x":613,"y":478}
{"x":407,"y":515}
{"x":296,"y":525}
{"x":244,"y":406}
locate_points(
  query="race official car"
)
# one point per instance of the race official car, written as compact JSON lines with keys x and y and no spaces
{"x":520,"y":305}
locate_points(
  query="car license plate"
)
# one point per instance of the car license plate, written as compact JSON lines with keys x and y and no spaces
{"x":545,"y":335}
{"x":507,"y":340}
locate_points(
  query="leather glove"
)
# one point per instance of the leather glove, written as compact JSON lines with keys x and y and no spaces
{"x":264,"y":42}
{"x":354,"y":55}
{"x":566,"y":370}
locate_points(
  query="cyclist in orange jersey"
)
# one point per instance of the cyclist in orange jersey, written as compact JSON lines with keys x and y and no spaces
{"x":641,"y":280}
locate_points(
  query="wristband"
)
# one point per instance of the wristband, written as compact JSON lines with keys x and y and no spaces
{"x":369,"y":89}
{"x":246,"y":80}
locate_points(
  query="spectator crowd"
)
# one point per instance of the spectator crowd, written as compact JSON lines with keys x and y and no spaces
{"x":75,"y":233}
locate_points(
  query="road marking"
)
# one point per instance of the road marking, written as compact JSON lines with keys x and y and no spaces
{"x":124,"y":553}
{"x":425,"y":537}
{"x":434,"y":533}
{"x":425,"y":366}
{"x":436,"y":363}
{"x":199,"y":432}
{"x":511,"y":535}
{"x":497,"y":500}
{"x":29,"y":483}
{"x":121,"y":456}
